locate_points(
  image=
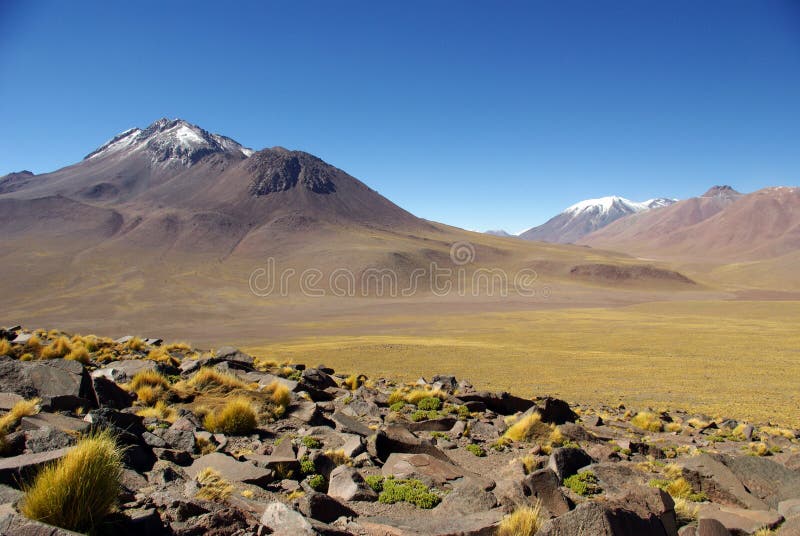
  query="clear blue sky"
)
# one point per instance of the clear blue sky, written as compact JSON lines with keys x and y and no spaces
{"x":478,"y":114}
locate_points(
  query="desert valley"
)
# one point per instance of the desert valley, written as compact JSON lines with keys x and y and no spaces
{"x":399,"y":269}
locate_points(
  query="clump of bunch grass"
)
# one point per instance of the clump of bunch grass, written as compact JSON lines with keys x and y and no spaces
{"x":23,"y":408}
{"x":279,"y":396}
{"x":211,"y":379}
{"x":531,"y":428}
{"x":150,"y":387}
{"x":686,"y":511}
{"x":414,"y":396}
{"x":679,"y":488}
{"x":162,"y":355}
{"x":5,"y":347}
{"x":411,"y":490}
{"x":524,"y":521}
{"x":135,"y":344}
{"x":354,"y":381}
{"x":79,"y":490}
{"x":584,"y":484}
{"x":160,"y":410}
{"x":237,"y":417}
{"x":758,"y":448}
{"x":338,"y":457}
{"x":211,"y":485}
{"x":58,"y":349}
{"x":648,"y":421}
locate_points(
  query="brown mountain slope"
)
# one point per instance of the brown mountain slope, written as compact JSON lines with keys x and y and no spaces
{"x":719,"y":226}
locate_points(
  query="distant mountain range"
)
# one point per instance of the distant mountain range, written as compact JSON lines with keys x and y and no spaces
{"x":588,"y":216}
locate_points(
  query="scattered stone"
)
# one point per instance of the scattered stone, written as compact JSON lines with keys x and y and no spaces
{"x":17,"y":468}
{"x":281,"y":520}
{"x":347,"y":484}
{"x":565,"y":462}
{"x":544,"y":486}
{"x":230,"y":469}
{"x":60,"y":383}
{"x":323,"y":507}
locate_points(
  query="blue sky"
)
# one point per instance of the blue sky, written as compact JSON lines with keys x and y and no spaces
{"x":477,"y":114}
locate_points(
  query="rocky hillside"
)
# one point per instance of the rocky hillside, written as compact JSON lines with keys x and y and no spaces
{"x":225,"y":443}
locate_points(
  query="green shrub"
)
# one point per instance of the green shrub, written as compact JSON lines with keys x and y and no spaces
{"x":408,"y":490}
{"x":397,"y":406}
{"x":429,"y":403}
{"x":79,"y":490}
{"x":311,"y":442}
{"x":477,"y":450}
{"x":307,"y":466}
{"x":375,"y":482}
{"x":317,"y":482}
{"x":421,"y":415}
{"x":584,"y":484}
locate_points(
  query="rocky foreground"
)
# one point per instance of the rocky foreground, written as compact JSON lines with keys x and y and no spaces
{"x":335,"y":455}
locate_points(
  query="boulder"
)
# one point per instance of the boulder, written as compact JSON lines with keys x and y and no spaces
{"x":55,"y":421}
{"x":317,"y":379}
{"x":598,"y":520}
{"x":282,"y":520}
{"x":347,"y":484}
{"x":421,"y":466}
{"x":790,"y":528}
{"x":16,"y":524}
{"x":651,"y":504}
{"x":565,"y":462}
{"x":109,"y":394}
{"x":15,"y":469}
{"x":711,"y":527}
{"x":544,"y":486}
{"x":476,"y":524}
{"x":769,"y":481}
{"x":556,"y":411}
{"x":60,"y":383}
{"x":230,"y":469}
{"x":396,"y":438}
{"x":467,"y":497}
{"x":789,"y":508}
{"x":349,"y":425}
{"x":719,"y":482}
{"x":740,"y":520}
{"x":502,"y":403}
{"x":7,"y":400}
{"x":323,"y":507}
{"x":124,"y":370}
{"x":442,"y":424}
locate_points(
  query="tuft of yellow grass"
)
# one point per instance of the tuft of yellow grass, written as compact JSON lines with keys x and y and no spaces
{"x":237,"y":417}
{"x":673,"y":427}
{"x":78,"y":353}
{"x":209,"y":378}
{"x":5,"y":347}
{"x":23,"y":408}
{"x":279,"y":396}
{"x":774,"y":431}
{"x":758,"y":448}
{"x":524,"y":521}
{"x":354,"y":381}
{"x":151,"y":378}
{"x":79,"y":490}
{"x":135,"y":344}
{"x":160,"y":410}
{"x":212,"y":486}
{"x":338,"y":457}
{"x":58,"y":349}
{"x":527,"y":428}
{"x":647,"y":421}
{"x":34,"y":345}
{"x":686,"y":510}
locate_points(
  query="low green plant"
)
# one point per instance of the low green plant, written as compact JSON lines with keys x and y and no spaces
{"x":429,"y":403}
{"x":477,"y":450}
{"x":317,"y":482}
{"x":307,"y":466}
{"x":421,"y":415}
{"x":375,"y":482}
{"x":584,"y":484}
{"x":411,"y":491}
{"x":397,"y":406}
{"x":311,"y":442}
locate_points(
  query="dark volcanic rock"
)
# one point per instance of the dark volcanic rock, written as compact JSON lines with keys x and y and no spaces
{"x":60,"y":383}
{"x":565,"y":462}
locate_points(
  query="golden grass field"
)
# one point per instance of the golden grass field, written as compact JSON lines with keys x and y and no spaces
{"x":726,"y":358}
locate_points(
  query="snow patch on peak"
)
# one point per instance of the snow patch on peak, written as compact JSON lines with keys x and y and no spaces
{"x":170,"y":140}
{"x":605,"y":204}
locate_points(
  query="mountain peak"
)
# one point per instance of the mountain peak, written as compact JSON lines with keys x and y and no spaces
{"x":721,"y":190}
{"x":279,"y":169}
{"x":168,"y":141}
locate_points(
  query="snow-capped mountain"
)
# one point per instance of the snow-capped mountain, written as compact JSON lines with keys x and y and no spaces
{"x":588,"y":216}
{"x":169,"y":141}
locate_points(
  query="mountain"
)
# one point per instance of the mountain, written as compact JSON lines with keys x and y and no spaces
{"x":588,"y":216}
{"x":498,"y":232}
{"x":720,"y":225}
